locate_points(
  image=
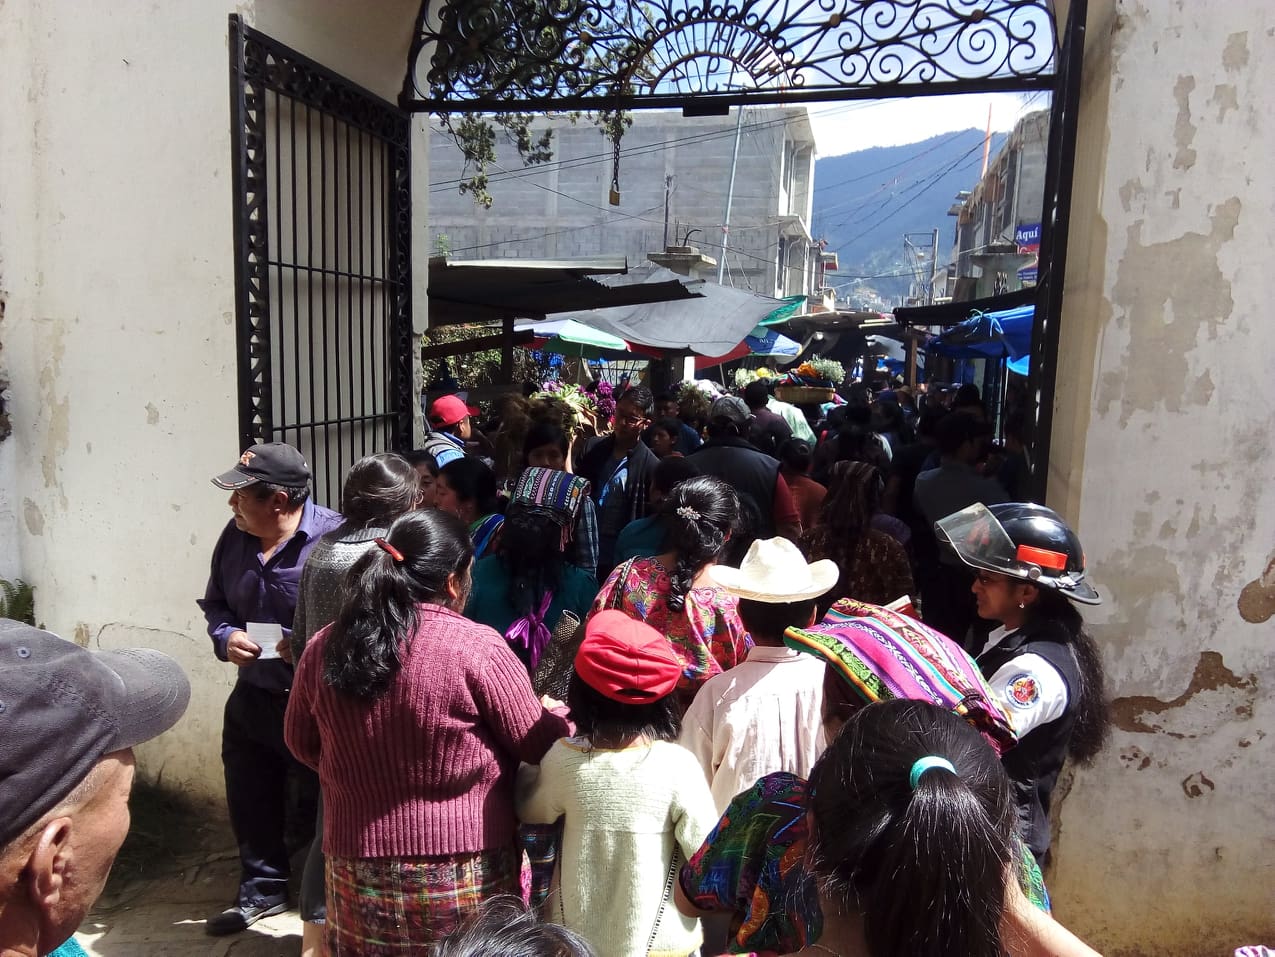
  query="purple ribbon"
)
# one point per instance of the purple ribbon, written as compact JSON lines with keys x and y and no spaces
{"x":530,"y":632}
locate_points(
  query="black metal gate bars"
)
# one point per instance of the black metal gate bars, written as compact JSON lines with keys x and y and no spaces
{"x":322,"y":260}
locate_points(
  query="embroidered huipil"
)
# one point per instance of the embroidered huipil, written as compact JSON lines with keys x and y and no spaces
{"x":706,"y":634}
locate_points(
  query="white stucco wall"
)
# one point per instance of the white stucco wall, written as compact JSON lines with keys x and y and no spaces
{"x":1163,"y":453}
{"x":116,"y":266}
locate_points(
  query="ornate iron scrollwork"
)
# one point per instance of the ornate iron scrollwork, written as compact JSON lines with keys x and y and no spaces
{"x":501,"y":55}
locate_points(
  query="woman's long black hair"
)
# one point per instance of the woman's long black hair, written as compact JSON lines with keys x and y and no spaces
{"x":700,"y":513}
{"x":845,"y":517}
{"x":531,"y":553}
{"x":1092,"y":726}
{"x":363,"y":650}
{"x":472,"y":481}
{"x":926,"y":867}
{"x":545,"y":433}
{"x":378,"y":489}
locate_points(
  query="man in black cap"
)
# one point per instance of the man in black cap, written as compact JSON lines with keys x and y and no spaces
{"x":249,"y":603}
{"x":69,"y":719}
{"x":731,"y":457}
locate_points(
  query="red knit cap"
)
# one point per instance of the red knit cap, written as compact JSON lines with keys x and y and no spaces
{"x":626,"y":660}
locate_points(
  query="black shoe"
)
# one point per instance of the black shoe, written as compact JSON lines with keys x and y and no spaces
{"x":240,"y":917}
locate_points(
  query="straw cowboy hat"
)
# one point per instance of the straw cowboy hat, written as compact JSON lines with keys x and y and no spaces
{"x":775,"y":571}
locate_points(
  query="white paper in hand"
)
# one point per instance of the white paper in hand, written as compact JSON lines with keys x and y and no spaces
{"x":267,"y":634}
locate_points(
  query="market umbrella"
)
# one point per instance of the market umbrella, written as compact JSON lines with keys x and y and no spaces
{"x":760,"y":342}
{"x":566,"y":337}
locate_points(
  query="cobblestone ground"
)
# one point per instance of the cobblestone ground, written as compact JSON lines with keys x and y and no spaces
{"x":163,"y":914}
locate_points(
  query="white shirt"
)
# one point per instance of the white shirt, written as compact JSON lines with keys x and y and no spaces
{"x":626,"y":810}
{"x":1031,"y":689}
{"x":763,"y":715}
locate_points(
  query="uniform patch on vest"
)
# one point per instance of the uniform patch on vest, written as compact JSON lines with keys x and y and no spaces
{"x":1024,"y":691}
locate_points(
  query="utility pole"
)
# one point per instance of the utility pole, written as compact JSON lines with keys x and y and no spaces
{"x":668,"y":185}
{"x":730,"y":194}
{"x":934,"y":267}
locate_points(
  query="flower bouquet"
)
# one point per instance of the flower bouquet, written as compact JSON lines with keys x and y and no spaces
{"x":572,"y":409}
{"x":814,"y":381}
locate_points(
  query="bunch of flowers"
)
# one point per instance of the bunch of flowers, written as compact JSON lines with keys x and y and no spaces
{"x":584,"y":408}
{"x":744,"y":376}
{"x":819,"y":371}
{"x":602,"y":394}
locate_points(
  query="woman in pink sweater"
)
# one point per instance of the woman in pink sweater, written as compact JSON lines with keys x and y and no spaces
{"x":416,"y":719}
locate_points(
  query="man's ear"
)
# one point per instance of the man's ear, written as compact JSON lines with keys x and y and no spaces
{"x":45,"y":870}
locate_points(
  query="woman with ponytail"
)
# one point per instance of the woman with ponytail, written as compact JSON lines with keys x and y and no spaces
{"x":672,"y":591}
{"x":907,"y":842}
{"x":912,"y":840}
{"x":378,"y":489}
{"x":416,"y":720}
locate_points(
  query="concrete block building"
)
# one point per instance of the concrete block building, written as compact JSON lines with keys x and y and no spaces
{"x":668,"y":162}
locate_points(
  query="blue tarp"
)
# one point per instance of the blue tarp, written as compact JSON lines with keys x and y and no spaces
{"x":990,"y":335}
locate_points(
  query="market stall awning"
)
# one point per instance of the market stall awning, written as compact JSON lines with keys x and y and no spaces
{"x":710,"y":320}
{"x":992,"y":335}
{"x":952,"y":313}
{"x":485,"y":290}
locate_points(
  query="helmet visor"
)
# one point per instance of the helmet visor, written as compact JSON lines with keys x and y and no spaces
{"x":979,"y":540}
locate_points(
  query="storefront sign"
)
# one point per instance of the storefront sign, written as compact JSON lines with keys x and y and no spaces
{"x":1027,"y":237}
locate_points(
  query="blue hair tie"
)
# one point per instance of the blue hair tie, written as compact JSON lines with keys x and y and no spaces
{"x":921,"y":765}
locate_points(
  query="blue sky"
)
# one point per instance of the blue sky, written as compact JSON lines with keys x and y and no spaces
{"x":857,"y":125}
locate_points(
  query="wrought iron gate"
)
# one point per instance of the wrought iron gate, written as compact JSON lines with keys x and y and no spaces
{"x":322,"y":219}
{"x":476,"y":56}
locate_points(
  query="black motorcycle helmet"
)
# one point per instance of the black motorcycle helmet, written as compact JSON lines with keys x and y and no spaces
{"x":1021,"y":540}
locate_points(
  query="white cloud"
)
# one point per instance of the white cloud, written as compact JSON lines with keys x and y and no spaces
{"x":858,"y":125}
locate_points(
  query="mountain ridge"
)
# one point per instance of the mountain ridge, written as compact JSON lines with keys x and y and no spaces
{"x":865,"y":201}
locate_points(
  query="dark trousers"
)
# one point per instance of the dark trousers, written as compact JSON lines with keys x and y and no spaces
{"x":257,"y":765}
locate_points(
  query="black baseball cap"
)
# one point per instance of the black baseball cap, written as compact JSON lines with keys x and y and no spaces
{"x":275,"y":462}
{"x":63,"y":707}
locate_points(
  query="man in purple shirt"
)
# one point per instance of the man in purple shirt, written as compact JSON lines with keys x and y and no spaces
{"x":249,"y":603}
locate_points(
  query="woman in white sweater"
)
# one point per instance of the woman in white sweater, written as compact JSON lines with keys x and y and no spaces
{"x":635,"y":803}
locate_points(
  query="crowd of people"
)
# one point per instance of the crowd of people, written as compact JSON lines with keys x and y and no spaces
{"x":724,"y":677}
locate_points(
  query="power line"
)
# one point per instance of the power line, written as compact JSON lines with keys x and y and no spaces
{"x":593,"y":159}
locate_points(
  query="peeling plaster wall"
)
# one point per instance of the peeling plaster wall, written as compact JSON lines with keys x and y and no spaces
{"x":118,"y":329}
{"x":1163,"y":453}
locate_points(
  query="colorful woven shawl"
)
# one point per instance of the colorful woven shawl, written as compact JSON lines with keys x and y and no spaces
{"x":882,"y":655}
{"x":559,"y":493}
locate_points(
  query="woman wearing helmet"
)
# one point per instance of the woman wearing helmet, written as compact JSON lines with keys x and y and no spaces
{"x":1040,"y":661}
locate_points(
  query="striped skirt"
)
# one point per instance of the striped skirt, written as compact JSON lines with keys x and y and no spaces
{"x":393,"y":907}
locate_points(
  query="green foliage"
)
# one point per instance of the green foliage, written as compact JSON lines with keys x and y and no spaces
{"x":475,"y":368}
{"x":17,"y":600}
{"x":476,"y":138}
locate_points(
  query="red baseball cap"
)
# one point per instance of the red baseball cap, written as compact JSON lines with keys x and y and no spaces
{"x":448,"y":410}
{"x":627,"y":660}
